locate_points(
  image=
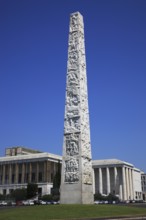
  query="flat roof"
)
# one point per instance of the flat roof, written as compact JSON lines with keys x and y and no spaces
{"x":105,"y":162}
{"x":36,"y":156}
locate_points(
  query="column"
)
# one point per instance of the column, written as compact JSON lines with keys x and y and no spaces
{"x":108,"y":180}
{"x":3,"y":174}
{"x":37,"y":172}
{"x":10,"y":173}
{"x":26,"y":173}
{"x":44,"y":171}
{"x":127,"y":182}
{"x":132,"y":181}
{"x":130,"y":184}
{"x":124,"y":183}
{"x":23,"y":172}
{"x":47,"y":171}
{"x":30,"y":171}
{"x":100,"y":181}
{"x":120,"y":192}
{"x":115,"y":179}
{"x":16,"y":173}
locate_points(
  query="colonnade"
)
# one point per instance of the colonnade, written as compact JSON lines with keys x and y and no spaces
{"x":128,"y":189}
{"x":115,"y":180}
{"x":24,"y":172}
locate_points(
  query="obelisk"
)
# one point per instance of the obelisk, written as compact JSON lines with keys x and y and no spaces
{"x":77,"y":173}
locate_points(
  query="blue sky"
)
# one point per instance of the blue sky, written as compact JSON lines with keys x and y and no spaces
{"x":33,"y":58}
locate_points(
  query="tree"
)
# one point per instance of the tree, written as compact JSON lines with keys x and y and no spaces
{"x":57,"y":177}
{"x":47,"y":197}
{"x":57,"y":181}
{"x":2,"y":197}
{"x":32,"y":190}
{"x":98,"y":196}
{"x":112,"y":197}
{"x":109,"y":198}
{"x":19,"y":194}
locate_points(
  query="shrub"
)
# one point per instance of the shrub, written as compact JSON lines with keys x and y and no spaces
{"x":47,"y":197}
{"x":19,"y":194}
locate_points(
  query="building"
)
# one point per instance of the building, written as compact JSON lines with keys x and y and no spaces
{"x":117,"y":177}
{"x":21,"y":166}
{"x":15,"y":151}
{"x":143,"y":183}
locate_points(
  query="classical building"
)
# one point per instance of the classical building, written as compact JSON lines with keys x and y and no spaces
{"x":143,"y":183}
{"x":76,"y":178}
{"x":21,"y":166}
{"x":117,"y":177}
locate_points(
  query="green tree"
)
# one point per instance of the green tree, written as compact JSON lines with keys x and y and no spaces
{"x":57,"y":181}
{"x":112,"y":197}
{"x":2,"y":197}
{"x":19,"y":194}
{"x":47,"y":197}
{"x":98,"y":196}
{"x":57,"y":177}
{"x":32,"y":190}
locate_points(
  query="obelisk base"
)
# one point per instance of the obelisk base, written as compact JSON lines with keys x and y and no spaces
{"x":75,"y":194}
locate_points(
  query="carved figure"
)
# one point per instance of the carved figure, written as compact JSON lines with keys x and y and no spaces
{"x":74,"y":23}
{"x":71,"y":165}
{"x":72,"y":145}
{"x":72,"y":124}
{"x":72,"y":97}
{"x":73,"y":78}
{"x":71,"y":177}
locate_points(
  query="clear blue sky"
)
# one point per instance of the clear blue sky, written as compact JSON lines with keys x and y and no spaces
{"x":33,"y":58}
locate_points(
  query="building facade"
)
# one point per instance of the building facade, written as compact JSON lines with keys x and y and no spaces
{"x":143,"y":183}
{"x":117,"y":177}
{"x":22,"y":166}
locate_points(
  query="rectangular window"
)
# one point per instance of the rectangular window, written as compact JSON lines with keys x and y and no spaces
{"x":39,"y":191}
{"x":4,"y":191}
{"x":26,"y":177}
{"x":40,"y":177}
{"x":52,"y":177}
{"x":33,"y":177}
{"x":19,"y":178}
{"x":6,"y":179}
{"x":13,"y":178}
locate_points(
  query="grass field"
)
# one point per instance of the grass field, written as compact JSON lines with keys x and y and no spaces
{"x":69,"y":212}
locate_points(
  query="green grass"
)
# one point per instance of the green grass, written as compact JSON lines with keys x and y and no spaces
{"x":69,"y":212}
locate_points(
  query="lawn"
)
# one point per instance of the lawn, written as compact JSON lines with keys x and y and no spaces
{"x":69,"y":212}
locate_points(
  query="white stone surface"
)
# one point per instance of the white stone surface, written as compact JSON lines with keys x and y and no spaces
{"x":77,"y":174}
{"x":137,"y":184}
{"x":131,"y":185}
{"x":36,"y":157}
{"x":117,"y":177}
{"x":46,"y":187}
{"x":110,"y":161}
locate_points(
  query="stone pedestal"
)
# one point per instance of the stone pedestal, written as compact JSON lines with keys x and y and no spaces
{"x":77,"y":173}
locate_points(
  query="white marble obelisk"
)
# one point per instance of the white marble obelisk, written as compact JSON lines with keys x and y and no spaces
{"x":77,"y":179}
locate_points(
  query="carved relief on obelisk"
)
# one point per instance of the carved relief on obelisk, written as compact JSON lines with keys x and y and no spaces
{"x":76,"y":183}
